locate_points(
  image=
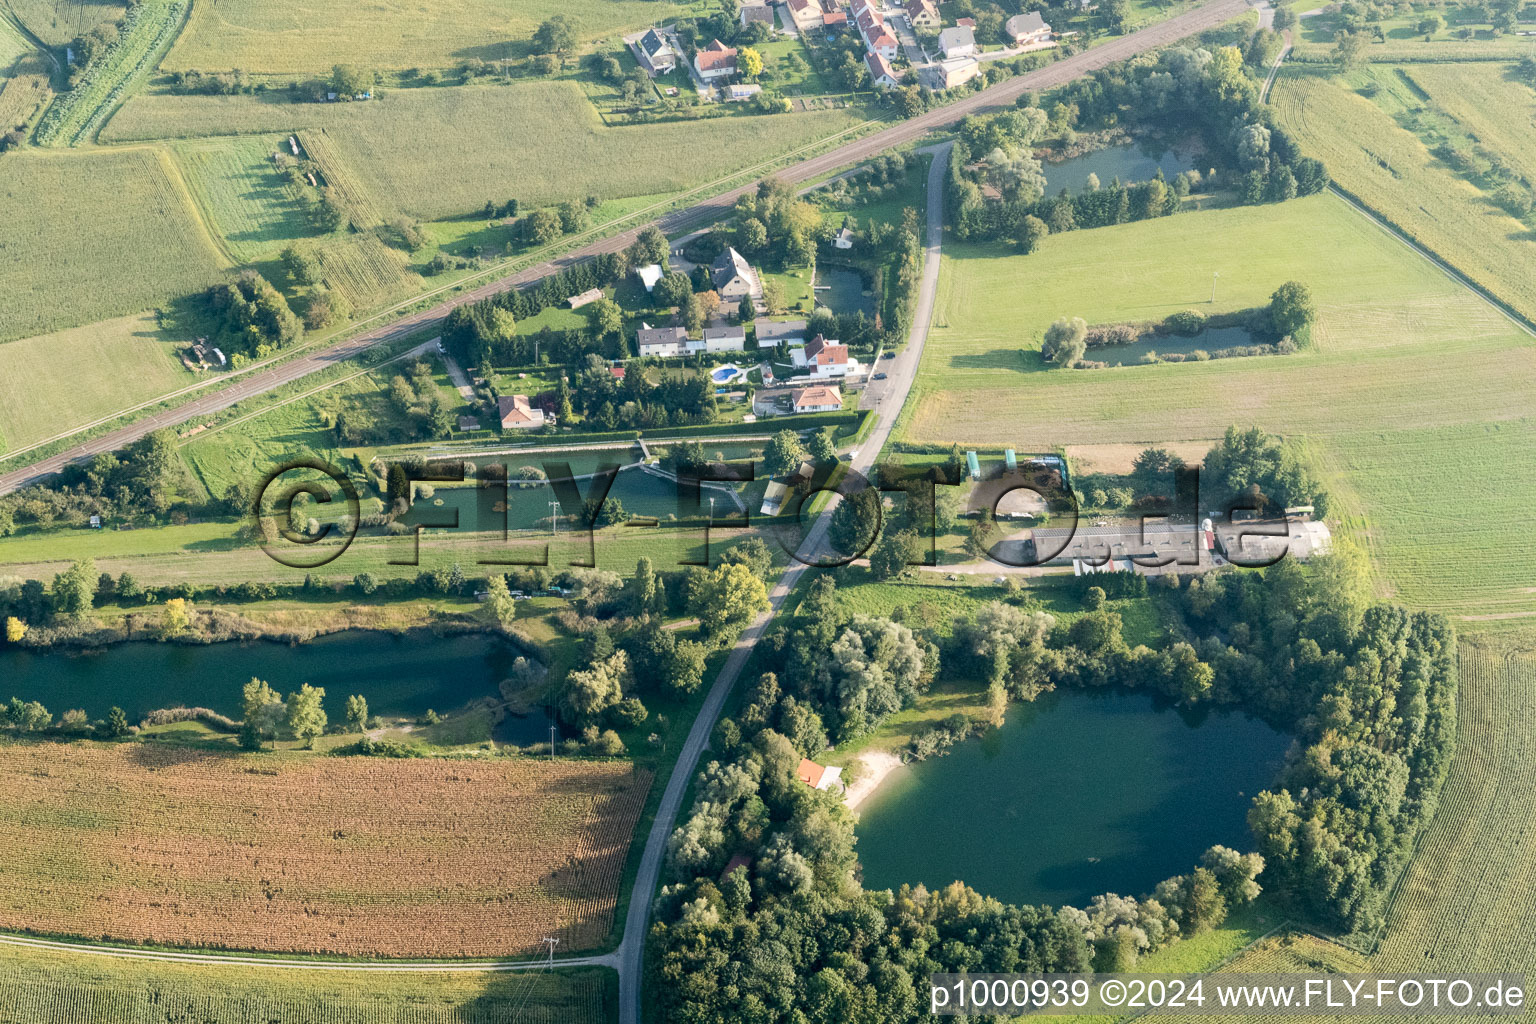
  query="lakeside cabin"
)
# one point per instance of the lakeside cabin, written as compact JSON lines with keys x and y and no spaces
{"x":818,"y":776}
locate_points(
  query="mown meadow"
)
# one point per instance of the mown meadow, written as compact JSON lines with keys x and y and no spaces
{"x":1382,"y":395}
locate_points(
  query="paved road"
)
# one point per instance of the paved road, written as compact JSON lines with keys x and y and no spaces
{"x":998,"y":96}
{"x":901,"y":372}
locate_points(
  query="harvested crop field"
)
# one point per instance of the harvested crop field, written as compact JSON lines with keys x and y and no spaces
{"x":353,"y":856}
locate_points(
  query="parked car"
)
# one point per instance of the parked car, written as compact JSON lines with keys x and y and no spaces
{"x":879,"y":376}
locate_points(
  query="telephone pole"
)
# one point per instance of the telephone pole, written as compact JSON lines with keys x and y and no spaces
{"x":551,"y":943}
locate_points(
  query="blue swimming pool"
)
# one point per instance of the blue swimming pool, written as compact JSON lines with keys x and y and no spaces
{"x":725,"y":374}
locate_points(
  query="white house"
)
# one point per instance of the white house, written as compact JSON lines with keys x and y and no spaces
{"x":733,"y":277}
{"x":715,"y":61}
{"x":826,"y":358}
{"x":771,"y":332}
{"x":959,"y":41}
{"x":880,"y":71}
{"x":720,"y":339}
{"x":877,"y":38}
{"x":947,"y":74}
{"x":650,"y":275}
{"x":662,"y":341}
{"x":818,"y":398}
{"x":1027,"y":29}
{"x":806,"y":14}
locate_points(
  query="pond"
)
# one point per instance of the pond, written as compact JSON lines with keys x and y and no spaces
{"x":842,"y":290}
{"x":1208,"y":340}
{"x":1130,"y":163}
{"x":1077,"y":794}
{"x":398,"y":675}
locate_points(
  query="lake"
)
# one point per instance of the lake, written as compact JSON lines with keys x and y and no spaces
{"x":842,"y":290}
{"x":1077,"y":794}
{"x":398,"y":675}
{"x":1130,"y":163}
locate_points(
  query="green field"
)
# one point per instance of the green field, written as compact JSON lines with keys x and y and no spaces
{"x":39,"y":987}
{"x":1391,"y":170}
{"x":443,"y":152}
{"x":1315,"y":36}
{"x":77,"y":115}
{"x":93,"y":236}
{"x":245,"y":198}
{"x":54,"y":382}
{"x":289,"y":37}
{"x":1382,"y":397}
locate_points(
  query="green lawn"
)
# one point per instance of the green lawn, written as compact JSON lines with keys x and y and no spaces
{"x":246,"y":198}
{"x":1382,"y":397}
{"x":441,"y":152}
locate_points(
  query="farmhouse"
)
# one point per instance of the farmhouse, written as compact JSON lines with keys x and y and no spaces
{"x":818,"y":776}
{"x":517,"y":414}
{"x":923,"y":14}
{"x":881,"y":74}
{"x":959,"y":41}
{"x":771,"y":332}
{"x":826,"y":358}
{"x":947,"y":74}
{"x":715,"y":61}
{"x":650,"y":275}
{"x":733,"y":276}
{"x":720,"y":339}
{"x":820,"y":398}
{"x":1027,"y":29}
{"x":662,"y":341}
{"x":756,"y":13}
{"x":655,"y":53}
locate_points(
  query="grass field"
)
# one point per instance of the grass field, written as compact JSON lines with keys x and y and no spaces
{"x":147,"y":32}
{"x":442,"y":152}
{"x":93,"y":236}
{"x":57,"y":381}
{"x":23,"y":87}
{"x":1381,"y":396}
{"x":39,"y":987}
{"x":1392,"y":171}
{"x":245,"y":198}
{"x":56,"y":22}
{"x":354,"y":856}
{"x":289,"y":37}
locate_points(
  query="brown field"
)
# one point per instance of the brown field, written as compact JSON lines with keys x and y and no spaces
{"x":1121,"y":458}
{"x":351,"y":856}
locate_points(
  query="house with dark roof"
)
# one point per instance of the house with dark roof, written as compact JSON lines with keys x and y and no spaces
{"x":771,"y":332}
{"x":733,"y":277}
{"x":923,"y":14}
{"x":756,"y":13}
{"x":655,"y":53}
{"x":715,"y":61}
{"x":957,"y":42}
{"x":1027,"y":29}
{"x":720,"y":339}
{"x":662,"y":341}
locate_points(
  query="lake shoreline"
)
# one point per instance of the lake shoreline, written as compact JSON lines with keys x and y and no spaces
{"x":876,"y":765}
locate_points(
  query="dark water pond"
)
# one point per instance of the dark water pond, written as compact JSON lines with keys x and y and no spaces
{"x":1129,"y":163}
{"x":1208,"y":340}
{"x":843,"y":290}
{"x":397,"y":675}
{"x":1076,"y":795}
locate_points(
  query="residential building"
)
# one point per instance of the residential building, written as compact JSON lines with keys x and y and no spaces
{"x":923,"y":14}
{"x":517,"y":414}
{"x":819,"y":398}
{"x":882,"y":75}
{"x":1027,"y":29}
{"x":959,"y":41}
{"x":834,"y":20}
{"x":877,"y":38}
{"x":720,"y":339}
{"x":751,"y":13}
{"x":734,"y":277}
{"x":969,"y":23}
{"x":655,"y":53}
{"x":650,"y":275}
{"x":844,"y":238}
{"x":662,"y":341}
{"x":826,"y":358}
{"x":818,"y":776}
{"x":947,"y":74}
{"x":771,"y":332}
{"x":715,"y":61}
{"x":806,"y":14}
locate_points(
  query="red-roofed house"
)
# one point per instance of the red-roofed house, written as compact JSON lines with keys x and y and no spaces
{"x":819,"y":398}
{"x":965,"y":23}
{"x":517,"y":414}
{"x":826,"y":358}
{"x":874,"y":33}
{"x":880,"y":71}
{"x":923,"y":14}
{"x":834,"y":19}
{"x":817,"y":776}
{"x":715,"y":61}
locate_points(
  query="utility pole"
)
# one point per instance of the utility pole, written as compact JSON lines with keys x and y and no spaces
{"x":1214,"y":275}
{"x":554,"y":518}
{"x":551,"y":754}
{"x":551,"y":943}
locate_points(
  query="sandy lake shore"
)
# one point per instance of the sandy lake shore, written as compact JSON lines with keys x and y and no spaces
{"x":874,"y":767}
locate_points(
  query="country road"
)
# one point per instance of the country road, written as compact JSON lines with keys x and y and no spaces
{"x":1181,"y":26}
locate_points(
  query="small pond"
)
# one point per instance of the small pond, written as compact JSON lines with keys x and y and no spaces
{"x":1077,"y":794}
{"x":398,"y":675}
{"x":842,"y":290}
{"x":1208,"y":340}
{"x":1130,"y":163}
